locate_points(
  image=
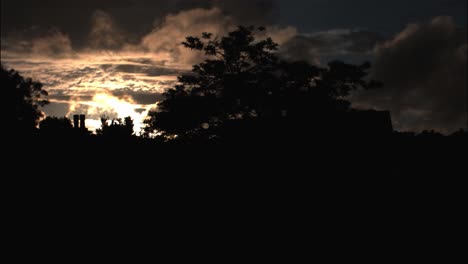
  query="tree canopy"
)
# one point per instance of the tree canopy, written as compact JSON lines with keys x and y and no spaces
{"x":243,"y":79}
{"x":27,"y":96}
{"x":116,"y":128}
{"x":57,"y":126}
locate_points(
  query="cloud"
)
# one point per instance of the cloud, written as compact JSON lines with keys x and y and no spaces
{"x":58,"y":109}
{"x":157,"y":26}
{"x":167,"y":37}
{"x":104,"y":32}
{"x":424,"y":69}
{"x":280,"y":35}
{"x":36,"y":42}
{"x":146,"y":70}
{"x":326,"y":45}
{"x":139,"y":96}
{"x":108,"y":105}
{"x":56,"y":44}
{"x":250,"y":12}
{"x":117,"y":21}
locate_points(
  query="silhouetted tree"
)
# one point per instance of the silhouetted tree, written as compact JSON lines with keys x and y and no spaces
{"x":460,"y":133}
{"x":26,"y":96}
{"x":116,"y":128}
{"x":430,"y":134}
{"x":57,"y":126}
{"x":244,"y":80}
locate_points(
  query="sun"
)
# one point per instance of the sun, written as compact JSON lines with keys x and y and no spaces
{"x":106,"y":104}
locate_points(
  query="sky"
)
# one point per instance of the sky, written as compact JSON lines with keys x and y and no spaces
{"x":116,"y":57}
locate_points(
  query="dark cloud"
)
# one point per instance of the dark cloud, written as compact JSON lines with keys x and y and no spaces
{"x":112,"y":21}
{"x":25,"y":63}
{"x":362,"y":41}
{"x":35,"y":41}
{"x":139,"y":96}
{"x":77,"y":73}
{"x":258,"y":12}
{"x":454,"y":3}
{"x":67,"y":97}
{"x":424,"y":69}
{"x":384,"y":15}
{"x":104,"y":33}
{"x":324,"y":45}
{"x":56,"y":109}
{"x":147,"y":70}
{"x":147,"y":61}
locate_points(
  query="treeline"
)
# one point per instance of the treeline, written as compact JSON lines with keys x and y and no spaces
{"x":243,"y":92}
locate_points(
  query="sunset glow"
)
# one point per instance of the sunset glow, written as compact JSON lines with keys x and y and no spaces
{"x":107,"y":105}
{"x":110,"y":84}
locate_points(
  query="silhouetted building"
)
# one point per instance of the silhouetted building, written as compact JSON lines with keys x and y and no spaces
{"x":79,"y":122}
{"x":466,"y":106}
{"x":76,"y":121}
{"x":369,"y":122}
{"x":82,"y":122}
